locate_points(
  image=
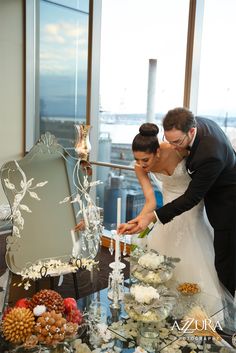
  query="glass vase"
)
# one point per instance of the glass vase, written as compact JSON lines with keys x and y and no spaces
{"x":98,"y":312}
{"x":82,"y":145}
{"x":148,"y":337}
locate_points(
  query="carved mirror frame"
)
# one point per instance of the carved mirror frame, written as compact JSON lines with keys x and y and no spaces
{"x":35,"y":187}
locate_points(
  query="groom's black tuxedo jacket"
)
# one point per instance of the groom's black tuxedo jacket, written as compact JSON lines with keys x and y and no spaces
{"x":212,"y":166}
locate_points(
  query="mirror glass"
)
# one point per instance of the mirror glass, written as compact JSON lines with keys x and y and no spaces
{"x":35,"y":187}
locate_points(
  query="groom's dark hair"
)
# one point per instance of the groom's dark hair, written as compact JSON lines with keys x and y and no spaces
{"x":180,"y":119}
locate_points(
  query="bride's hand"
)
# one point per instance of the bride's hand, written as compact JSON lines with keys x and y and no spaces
{"x":125,"y":228}
{"x":140,"y":223}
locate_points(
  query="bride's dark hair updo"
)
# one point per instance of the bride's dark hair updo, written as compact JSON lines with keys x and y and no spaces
{"x":146,"y":140}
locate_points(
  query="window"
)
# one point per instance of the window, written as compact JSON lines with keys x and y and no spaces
{"x":61,"y":58}
{"x":217,"y":85}
{"x":134,"y":31}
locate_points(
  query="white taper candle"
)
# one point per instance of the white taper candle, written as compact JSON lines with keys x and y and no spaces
{"x":118,"y":212}
{"x":117,"y":250}
{"x":72,"y":232}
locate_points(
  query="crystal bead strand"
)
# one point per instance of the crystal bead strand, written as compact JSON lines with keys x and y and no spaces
{"x":111,"y":247}
{"x":125,"y":247}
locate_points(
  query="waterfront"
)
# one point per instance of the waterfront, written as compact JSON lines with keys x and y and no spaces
{"x":121,"y":128}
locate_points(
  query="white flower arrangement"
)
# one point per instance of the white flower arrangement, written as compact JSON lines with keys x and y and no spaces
{"x":152,"y":268}
{"x":151,"y":260}
{"x":148,"y":304}
{"x":53,"y":267}
{"x":144,"y":294}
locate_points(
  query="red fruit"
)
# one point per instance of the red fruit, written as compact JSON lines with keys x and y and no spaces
{"x":70,"y":304}
{"x":6,"y":311}
{"x":74,"y":316}
{"x":22,"y":303}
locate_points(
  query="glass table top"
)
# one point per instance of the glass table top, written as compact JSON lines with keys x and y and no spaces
{"x":166,"y":335}
{"x":124,"y":335}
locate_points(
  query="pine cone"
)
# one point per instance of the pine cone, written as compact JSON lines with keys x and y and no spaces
{"x":18,"y":325}
{"x":50,"y":328}
{"x":50,"y":298}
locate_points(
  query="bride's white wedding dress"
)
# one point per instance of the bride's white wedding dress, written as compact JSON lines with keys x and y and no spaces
{"x":188,"y":236}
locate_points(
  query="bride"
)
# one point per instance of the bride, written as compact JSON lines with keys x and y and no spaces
{"x":189,"y":236}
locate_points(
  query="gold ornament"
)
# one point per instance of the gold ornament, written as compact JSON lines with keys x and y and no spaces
{"x":18,"y":325}
{"x":50,"y":328}
{"x":50,"y":298}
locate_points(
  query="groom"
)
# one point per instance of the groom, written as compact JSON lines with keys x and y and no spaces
{"x":211,"y":165}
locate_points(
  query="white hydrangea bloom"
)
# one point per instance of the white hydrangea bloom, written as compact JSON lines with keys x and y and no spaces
{"x":143,"y":294}
{"x":151,"y":260}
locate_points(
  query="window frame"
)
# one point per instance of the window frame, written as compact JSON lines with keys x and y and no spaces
{"x":32,"y":104}
{"x":195,"y":22}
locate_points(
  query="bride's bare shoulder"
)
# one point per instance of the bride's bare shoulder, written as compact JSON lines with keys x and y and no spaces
{"x":165,"y":146}
{"x":167,"y":149}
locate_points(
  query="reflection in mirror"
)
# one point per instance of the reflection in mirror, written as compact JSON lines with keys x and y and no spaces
{"x":48,"y":191}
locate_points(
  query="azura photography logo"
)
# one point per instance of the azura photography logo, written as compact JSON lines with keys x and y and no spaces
{"x":203,"y":327}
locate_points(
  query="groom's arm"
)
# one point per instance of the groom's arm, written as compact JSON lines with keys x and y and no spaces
{"x":204,"y":176}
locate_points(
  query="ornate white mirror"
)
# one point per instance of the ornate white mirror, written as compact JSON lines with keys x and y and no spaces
{"x":48,"y":194}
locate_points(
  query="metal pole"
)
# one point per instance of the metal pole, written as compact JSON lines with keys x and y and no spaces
{"x":151,"y":93}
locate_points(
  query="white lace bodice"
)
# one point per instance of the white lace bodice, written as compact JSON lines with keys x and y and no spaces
{"x":175,"y":184}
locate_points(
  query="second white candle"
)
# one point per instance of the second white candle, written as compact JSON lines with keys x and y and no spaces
{"x":118,"y":211}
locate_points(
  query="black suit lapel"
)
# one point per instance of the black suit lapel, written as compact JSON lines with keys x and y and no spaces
{"x":194,"y":147}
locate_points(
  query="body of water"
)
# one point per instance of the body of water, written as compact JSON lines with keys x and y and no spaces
{"x":124,"y":134}
{"x":121,"y":128}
